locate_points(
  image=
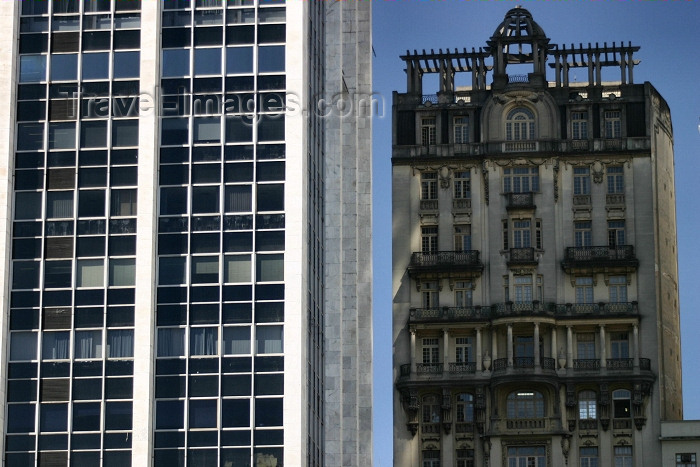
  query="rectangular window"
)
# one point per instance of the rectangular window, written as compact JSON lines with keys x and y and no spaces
{"x":523,"y":289}
{"x":521,"y":233}
{"x":428,"y":185}
{"x":619,"y":345}
{"x":429,"y":239}
{"x":686,"y":460}
{"x":616,"y":233}
{"x":589,"y":457}
{"x":613,"y":123}
{"x":88,"y":344}
{"x":521,"y":180}
{"x":463,"y":238}
{"x":579,"y":125}
{"x":428,"y":131}
{"x":431,"y":458}
{"x":463,"y":184}
{"x":582,"y":181}
{"x":171,"y":342}
{"x":615,"y":179}
{"x":463,"y":350}
{"x":582,"y":234}
{"x":461,"y":129}
{"x":623,"y":456}
{"x":465,"y":458}
{"x":617,"y":286}
{"x":527,"y":456}
{"x":524,"y":346}
{"x":585,"y":346}
{"x":431,"y":350}
{"x":269,"y":339}
{"x":429,"y":294}
{"x":463,"y":294}
{"x":584,"y":290}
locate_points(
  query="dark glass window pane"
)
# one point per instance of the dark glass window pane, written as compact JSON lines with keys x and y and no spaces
{"x":207,"y":130}
{"x":29,"y":179}
{"x":90,"y":246}
{"x":122,"y":245}
{"x":32,"y":68}
{"x":125,"y":133}
{"x":270,"y":171}
{"x":202,"y":413}
{"x":271,"y":33}
{"x":239,"y":172}
{"x":238,"y":198}
{"x":98,"y":40}
{"x":205,"y":243}
{"x":234,"y":385}
{"x":206,"y":173}
{"x":176,"y":37}
{"x":28,"y":205}
{"x":238,"y":241}
{"x":30,"y":136}
{"x":86,"y":417}
{"x":171,"y":271}
{"x":176,"y":62}
{"x":268,"y":412}
{"x":57,"y":274}
{"x":169,"y":414}
{"x":93,"y":134}
{"x":91,"y":203}
{"x":95,"y":66}
{"x":126,"y":64}
{"x":238,"y":129}
{"x":87,"y":389}
{"x":118,"y":415}
{"x":126,"y":39}
{"x":34,"y":8}
{"x":271,"y":58}
{"x":31,"y":110}
{"x":205,"y":269}
{"x":119,"y":388}
{"x":173,"y":200}
{"x":240,"y":35}
{"x":269,"y":384}
{"x":20,"y":418}
{"x":271,"y":128}
{"x":207,"y":61}
{"x":203,"y":386}
{"x":239,"y":60}
{"x":170,"y":386}
{"x":269,"y":241}
{"x":174,"y":131}
{"x":270,"y":197}
{"x":53,"y":417}
{"x":205,"y":199}
{"x":93,"y":177}
{"x":64,"y":67}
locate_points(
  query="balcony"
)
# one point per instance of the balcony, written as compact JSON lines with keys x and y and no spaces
{"x":450,"y":314}
{"x":445,"y":261}
{"x":514,"y":309}
{"x":588,"y":424}
{"x":462,"y":368}
{"x":462,"y":205}
{"x":615,"y":199}
{"x":466,"y":427}
{"x":516,"y":201}
{"x":428,"y":205}
{"x":587,"y":364}
{"x":526,"y":424}
{"x":600,"y":259}
{"x":578,"y":310}
{"x":429,"y":368}
{"x":582,"y":201}
{"x":520,"y":146}
{"x":500,"y":365}
{"x":521,"y":257}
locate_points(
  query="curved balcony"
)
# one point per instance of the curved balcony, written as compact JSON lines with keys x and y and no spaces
{"x":599,"y":259}
{"x":611,"y":365}
{"x":582,"y":310}
{"x":462,"y":368}
{"x":445,"y":262}
{"x":515,"y":201}
{"x":500,"y":365}
{"x":450,"y":314}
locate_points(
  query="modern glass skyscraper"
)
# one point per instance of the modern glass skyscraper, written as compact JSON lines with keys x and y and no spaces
{"x":185,"y":187}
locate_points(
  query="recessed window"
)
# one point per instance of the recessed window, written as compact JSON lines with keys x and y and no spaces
{"x":269,"y":339}
{"x":122,"y":272}
{"x":520,"y":125}
{"x":525,"y":404}
{"x":205,"y":269}
{"x":270,"y":267}
{"x":270,"y":197}
{"x":126,"y":64}
{"x":125,"y":133}
{"x":171,"y":342}
{"x":271,"y":58}
{"x":207,"y":62}
{"x":120,"y":343}
{"x":204,"y":341}
{"x":235,"y":413}
{"x":176,"y":62}
{"x":88,"y":344}
{"x":237,"y":340}
{"x":23,"y":346}
{"x":95,"y":66}
{"x":64,"y":67}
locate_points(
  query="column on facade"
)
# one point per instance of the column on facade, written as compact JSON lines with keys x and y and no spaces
{"x":602,"y":346}
{"x":557,"y":71}
{"x":553,"y":347}
{"x":410,"y":78}
{"x":413,"y":351}
{"x":509,"y":345}
{"x":478,"y":350}
{"x":445,"y":348}
{"x":590,"y":67}
{"x":494,"y":344}
{"x":623,"y":62}
{"x":569,"y":347}
{"x":630,"y":66}
{"x":536,"y":338}
{"x":635,"y":344}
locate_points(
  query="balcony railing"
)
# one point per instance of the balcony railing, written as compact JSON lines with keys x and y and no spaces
{"x":500,"y":364}
{"x":600,"y":256}
{"x":580,"y":145}
{"x":614,"y":199}
{"x":445,"y":260}
{"x":461,"y":204}
{"x":518,"y":79}
{"x":524,"y":362}
{"x":464,"y":427}
{"x":521,"y":256}
{"x":579,"y":309}
{"x":622,"y":424}
{"x":520,"y":201}
{"x":428,"y":205}
{"x":619,"y":363}
{"x":613,"y":143}
{"x":464,"y":368}
{"x":432,"y":98}
{"x":472,"y":313}
{"x":501,"y":310}
{"x":588,"y":424}
{"x":549,"y":363}
{"x":520,"y":146}
{"x":582,"y":200}
{"x":526,"y":424}
{"x":587,"y":364}
{"x":429,"y":368}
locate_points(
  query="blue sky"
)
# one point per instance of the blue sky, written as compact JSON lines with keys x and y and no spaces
{"x":667,"y":33}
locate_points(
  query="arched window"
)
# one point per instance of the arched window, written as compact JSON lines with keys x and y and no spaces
{"x":587,"y":405}
{"x":520,"y":124}
{"x":465,"y":408}
{"x":622,"y":404}
{"x":525,"y":404}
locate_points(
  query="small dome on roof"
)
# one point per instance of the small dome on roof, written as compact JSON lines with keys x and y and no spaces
{"x":518,"y":24}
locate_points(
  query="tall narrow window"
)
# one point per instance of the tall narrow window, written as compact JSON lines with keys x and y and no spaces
{"x":465,"y":458}
{"x":587,"y":405}
{"x":465,"y":408}
{"x":524,"y":347}
{"x":585,"y":346}
{"x":428,"y":131}
{"x":463,"y":294}
{"x":429,"y":239}
{"x":462,"y":184}
{"x":428,"y":185}
{"x":623,"y":456}
{"x":582,"y":181}
{"x":582,"y":234}
{"x":520,"y":125}
{"x":525,"y":404}
{"x":589,"y":456}
{"x":523,"y":289}
{"x":431,"y":458}
{"x":521,"y":233}
{"x":463,"y":350}
{"x":461,"y":129}
{"x":431,"y":351}
{"x":579,"y":125}
{"x":616,"y":233}
{"x":617,"y":285}
{"x":615,"y":178}
{"x":429,"y":293}
{"x":613,"y":123}
{"x":619,"y":345}
{"x":463,"y":238}
{"x":584,"y":290}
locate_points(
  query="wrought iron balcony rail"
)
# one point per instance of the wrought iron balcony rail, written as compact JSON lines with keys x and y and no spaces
{"x":579,"y":309}
{"x":466,"y":367}
{"x":523,"y":362}
{"x":615,"y":199}
{"x":521,"y":256}
{"x":446,"y":259}
{"x":472,"y":313}
{"x":587,"y":364}
{"x":588,"y":424}
{"x":429,"y":368}
{"x":622,"y":255}
{"x":619,"y":363}
{"x":500,"y":364}
{"x":520,"y":200}
{"x":549,"y":363}
{"x":430,"y":428}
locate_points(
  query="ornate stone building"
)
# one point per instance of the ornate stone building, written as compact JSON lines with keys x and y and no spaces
{"x":535,"y":314}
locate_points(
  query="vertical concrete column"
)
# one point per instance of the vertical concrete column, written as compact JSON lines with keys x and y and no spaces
{"x":623,"y":74}
{"x":553,"y":347}
{"x":569,"y":347}
{"x":479,"y":366}
{"x":509,"y":345}
{"x":494,"y":344}
{"x":413,"y":351}
{"x":445,"y":348}
{"x":635,"y":344}
{"x":536,"y":338}
{"x":557,"y":71}
{"x":590,"y":67}
{"x":409,"y":76}
{"x":602,"y":346}
{"x":630,"y":66}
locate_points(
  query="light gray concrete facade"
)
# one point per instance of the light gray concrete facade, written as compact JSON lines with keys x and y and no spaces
{"x":187,"y":259}
{"x":535,"y":316}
